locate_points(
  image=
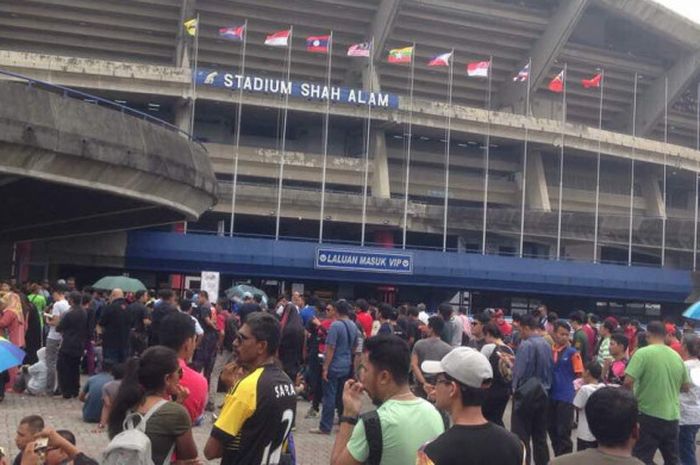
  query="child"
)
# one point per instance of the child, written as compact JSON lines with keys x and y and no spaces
{"x":592,"y":382}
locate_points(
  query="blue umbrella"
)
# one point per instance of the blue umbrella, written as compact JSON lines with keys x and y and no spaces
{"x":10,"y":355}
{"x":693,"y":312}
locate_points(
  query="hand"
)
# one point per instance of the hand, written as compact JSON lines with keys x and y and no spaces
{"x":429,"y":390}
{"x":231,"y":374}
{"x":325,"y":374}
{"x":181,"y":394}
{"x":29,"y":457}
{"x":352,"y":397}
{"x":55,"y":439}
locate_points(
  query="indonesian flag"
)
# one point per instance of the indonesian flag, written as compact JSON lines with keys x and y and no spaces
{"x":592,"y":82}
{"x":232,"y":33}
{"x":557,"y":84}
{"x":479,"y":69}
{"x":401,"y":55}
{"x":359,"y":50}
{"x":278,"y":39}
{"x":317,"y":44}
{"x":441,"y":60}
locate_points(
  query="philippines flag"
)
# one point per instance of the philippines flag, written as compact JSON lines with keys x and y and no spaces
{"x":523,"y":75}
{"x":232,"y":33}
{"x":479,"y":69}
{"x":441,"y":60}
{"x":317,"y":44}
{"x":278,"y":39}
{"x":557,"y":84}
{"x":359,"y":50}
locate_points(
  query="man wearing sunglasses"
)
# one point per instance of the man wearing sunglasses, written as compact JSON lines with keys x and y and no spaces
{"x":462,"y":379}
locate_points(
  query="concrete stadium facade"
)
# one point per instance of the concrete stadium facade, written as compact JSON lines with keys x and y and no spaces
{"x":628,"y":191}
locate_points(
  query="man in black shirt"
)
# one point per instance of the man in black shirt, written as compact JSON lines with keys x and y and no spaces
{"x":115,"y":325}
{"x":248,"y":306}
{"x":258,"y":412}
{"x":161,"y":309}
{"x":462,"y":379}
{"x":138,"y":314}
{"x":73,"y":328}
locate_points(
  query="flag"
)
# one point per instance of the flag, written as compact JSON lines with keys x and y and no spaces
{"x":401,"y":55}
{"x":479,"y":69}
{"x":317,"y":44}
{"x":191,"y":26}
{"x":557,"y":84}
{"x":523,"y":75}
{"x":441,"y":60}
{"x":278,"y":39}
{"x":232,"y":33}
{"x":359,"y":50}
{"x":592,"y":82}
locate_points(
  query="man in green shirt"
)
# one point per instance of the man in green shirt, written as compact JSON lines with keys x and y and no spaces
{"x":577,"y":320}
{"x":658,"y":375}
{"x":407,"y":422}
{"x":39,"y":301}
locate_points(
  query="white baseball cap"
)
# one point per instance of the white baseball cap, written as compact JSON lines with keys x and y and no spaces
{"x":466,"y":365}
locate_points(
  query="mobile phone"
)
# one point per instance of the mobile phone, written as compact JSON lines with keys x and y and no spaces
{"x":2,"y":452}
{"x":40,"y":445}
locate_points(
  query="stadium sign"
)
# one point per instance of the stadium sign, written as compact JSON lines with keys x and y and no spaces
{"x":302,"y":89}
{"x":354,"y":260}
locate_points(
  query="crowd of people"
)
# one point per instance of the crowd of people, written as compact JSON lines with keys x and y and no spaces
{"x":441,"y":380}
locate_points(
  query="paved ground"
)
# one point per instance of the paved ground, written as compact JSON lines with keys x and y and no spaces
{"x":59,"y":413}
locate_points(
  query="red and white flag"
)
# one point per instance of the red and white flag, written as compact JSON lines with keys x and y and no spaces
{"x":557,"y":84}
{"x":278,"y":39}
{"x":359,"y":50}
{"x":479,"y":69}
{"x":592,"y":82}
{"x":441,"y":60}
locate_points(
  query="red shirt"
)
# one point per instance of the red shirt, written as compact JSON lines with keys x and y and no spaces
{"x":199,"y":390}
{"x":365,"y":320}
{"x":504,"y":326}
{"x":590,"y":334}
{"x":322,"y":333}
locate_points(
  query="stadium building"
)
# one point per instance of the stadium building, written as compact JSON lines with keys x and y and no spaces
{"x":553,"y":157}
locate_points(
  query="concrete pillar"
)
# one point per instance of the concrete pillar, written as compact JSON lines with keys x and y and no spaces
{"x":380,"y":175}
{"x":537,"y":194}
{"x":182,"y":52}
{"x":183,"y":111}
{"x":653,"y":196}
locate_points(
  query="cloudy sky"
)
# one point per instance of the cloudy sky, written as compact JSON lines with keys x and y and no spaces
{"x":689,"y":8}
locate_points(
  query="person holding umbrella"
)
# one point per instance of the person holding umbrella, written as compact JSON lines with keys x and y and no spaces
{"x":12,"y":321}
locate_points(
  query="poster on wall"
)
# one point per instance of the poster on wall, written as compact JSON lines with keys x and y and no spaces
{"x":210,"y":283}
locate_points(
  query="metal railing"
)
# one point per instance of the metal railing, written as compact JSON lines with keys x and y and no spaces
{"x":89,"y":98}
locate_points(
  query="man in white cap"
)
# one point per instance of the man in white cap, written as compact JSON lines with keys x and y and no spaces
{"x":462,"y":379}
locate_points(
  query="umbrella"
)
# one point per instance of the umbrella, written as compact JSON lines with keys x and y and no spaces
{"x":10,"y":355}
{"x":119,"y":282}
{"x":693,"y":312}
{"x":236,"y":292}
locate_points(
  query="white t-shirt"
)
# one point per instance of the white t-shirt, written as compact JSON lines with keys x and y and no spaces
{"x":58,"y":309}
{"x":690,"y":401}
{"x":580,"y":402}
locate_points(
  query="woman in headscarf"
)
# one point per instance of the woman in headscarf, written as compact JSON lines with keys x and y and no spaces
{"x":12,"y":323}
{"x":291,"y":351}
{"x":32,"y":336}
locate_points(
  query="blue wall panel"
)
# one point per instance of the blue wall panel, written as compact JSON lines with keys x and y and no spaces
{"x":295,"y":260}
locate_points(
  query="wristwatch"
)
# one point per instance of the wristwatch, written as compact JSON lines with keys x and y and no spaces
{"x":349,"y":420}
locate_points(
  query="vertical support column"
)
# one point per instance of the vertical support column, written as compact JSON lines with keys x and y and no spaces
{"x":380,"y":161}
{"x":183,"y":114}
{"x":182,"y":53}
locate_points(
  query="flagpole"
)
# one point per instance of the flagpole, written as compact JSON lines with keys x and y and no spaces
{"x":326,"y":127}
{"x":634,"y":148}
{"x":697,"y":180}
{"x":408,"y":147}
{"x":597,"y":176}
{"x":561,"y":162}
{"x":368,"y":142}
{"x":194,"y":76}
{"x":663,"y":216}
{"x":487,"y":158}
{"x":448,"y":136}
{"x":284,"y":136}
{"x":522,"y":200}
{"x":239,"y":115}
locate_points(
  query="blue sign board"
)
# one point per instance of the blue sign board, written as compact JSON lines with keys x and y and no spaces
{"x":363,"y":260}
{"x":302,"y":89}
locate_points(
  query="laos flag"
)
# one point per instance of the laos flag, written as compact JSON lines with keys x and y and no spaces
{"x":317,"y":44}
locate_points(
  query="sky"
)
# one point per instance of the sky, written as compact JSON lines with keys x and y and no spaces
{"x":689,"y":8}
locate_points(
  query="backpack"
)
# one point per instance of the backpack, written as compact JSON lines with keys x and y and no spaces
{"x":132,"y":446}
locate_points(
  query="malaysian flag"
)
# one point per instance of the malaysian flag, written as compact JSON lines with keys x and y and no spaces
{"x":523,"y":75}
{"x":359,"y":50}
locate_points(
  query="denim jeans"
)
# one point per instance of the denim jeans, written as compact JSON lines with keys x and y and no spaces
{"x":332,"y":400}
{"x":686,"y":444}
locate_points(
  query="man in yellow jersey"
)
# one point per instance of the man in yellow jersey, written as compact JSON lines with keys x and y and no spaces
{"x":258,"y":412}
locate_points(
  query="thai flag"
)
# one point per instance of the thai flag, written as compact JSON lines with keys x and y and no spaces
{"x":317,"y":44}
{"x":523,"y":75}
{"x":232,"y":33}
{"x":278,"y":39}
